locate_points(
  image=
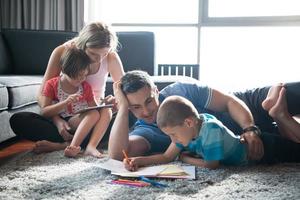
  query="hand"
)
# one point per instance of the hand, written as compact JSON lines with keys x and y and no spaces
{"x":73,"y":98}
{"x":184,"y":156}
{"x":132,"y":164}
{"x":63,"y":129}
{"x":110,"y":99}
{"x":255,"y":145}
{"x":121,"y":99}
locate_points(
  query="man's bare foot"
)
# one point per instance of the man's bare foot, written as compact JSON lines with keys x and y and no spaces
{"x":272,"y":97}
{"x":45,"y":146}
{"x":93,"y":152}
{"x":72,"y":151}
{"x":279,"y":110}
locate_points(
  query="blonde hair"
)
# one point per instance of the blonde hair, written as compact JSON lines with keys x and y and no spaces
{"x":174,"y":110}
{"x":96,"y":35}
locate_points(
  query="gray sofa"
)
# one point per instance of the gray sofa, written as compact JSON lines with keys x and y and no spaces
{"x":23,"y":59}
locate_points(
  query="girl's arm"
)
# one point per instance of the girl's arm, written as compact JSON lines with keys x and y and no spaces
{"x":199,"y":162}
{"x":53,"y":69}
{"x":132,"y":164}
{"x":50,"y":110}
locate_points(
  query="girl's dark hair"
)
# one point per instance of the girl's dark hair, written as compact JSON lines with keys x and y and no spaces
{"x":132,"y":81}
{"x":73,"y":61}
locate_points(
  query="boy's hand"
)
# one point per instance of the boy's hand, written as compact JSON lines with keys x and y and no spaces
{"x":131,"y":164}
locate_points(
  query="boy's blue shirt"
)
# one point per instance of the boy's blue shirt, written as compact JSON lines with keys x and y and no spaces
{"x":215,"y":142}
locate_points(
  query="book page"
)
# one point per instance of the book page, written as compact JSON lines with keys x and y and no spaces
{"x":95,"y":107}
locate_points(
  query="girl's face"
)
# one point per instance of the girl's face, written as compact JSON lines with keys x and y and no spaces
{"x":79,"y":79}
{"x":97,"y":54}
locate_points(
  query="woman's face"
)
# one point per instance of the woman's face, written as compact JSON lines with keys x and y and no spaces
{"x":97,"y":54}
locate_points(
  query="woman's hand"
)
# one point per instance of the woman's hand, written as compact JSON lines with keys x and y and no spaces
{"x":63,"y":128}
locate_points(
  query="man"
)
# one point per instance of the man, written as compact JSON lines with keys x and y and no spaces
{"x":137,"y":92}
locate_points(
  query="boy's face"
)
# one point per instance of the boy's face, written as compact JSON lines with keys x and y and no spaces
{"x":97,"y":54}
{"x":182,"y":134}
{"x":144,"y":103}
{"x":79,"y":79}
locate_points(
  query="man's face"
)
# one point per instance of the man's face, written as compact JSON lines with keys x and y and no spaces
{"x":144,"y":103}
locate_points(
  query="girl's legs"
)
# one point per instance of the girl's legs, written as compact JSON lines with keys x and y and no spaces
{"x":84,"y":127}
{"x":98,"y":133}
{"x":34,"y":127}
{"x":276,"y":105}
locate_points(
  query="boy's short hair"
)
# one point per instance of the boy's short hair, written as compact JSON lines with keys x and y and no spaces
{"x":174,"y":110}
{"x":73,"y":61}
{"x":134,"y":80}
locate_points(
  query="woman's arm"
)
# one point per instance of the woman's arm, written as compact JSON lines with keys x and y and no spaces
{"x":53,"y":69}
{"x":115,"y":67}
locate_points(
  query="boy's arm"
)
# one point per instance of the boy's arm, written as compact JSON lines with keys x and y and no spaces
{"x":199,"y":162}
{"x":132,"y":164}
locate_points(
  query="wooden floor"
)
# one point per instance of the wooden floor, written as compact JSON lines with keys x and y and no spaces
{"x":14,"y":149}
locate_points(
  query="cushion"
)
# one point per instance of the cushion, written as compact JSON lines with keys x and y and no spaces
{"x":3,"y":97}
{"x":22,"y":90}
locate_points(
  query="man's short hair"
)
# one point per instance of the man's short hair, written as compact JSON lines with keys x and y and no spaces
{"x":174,"y":110}
{"x":134,"y":80}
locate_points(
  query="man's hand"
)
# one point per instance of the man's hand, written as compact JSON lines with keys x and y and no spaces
{"x":255,"y":145}
{"x":121,"y":99}
{"x":63,"y":128}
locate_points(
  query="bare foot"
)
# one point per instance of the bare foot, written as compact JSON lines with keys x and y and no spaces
{"x":272,"y":97}
{"x":93,"y":152}
{"x":72,"y":151}
{"x":279,"y":110}
{"x":45,"y":146}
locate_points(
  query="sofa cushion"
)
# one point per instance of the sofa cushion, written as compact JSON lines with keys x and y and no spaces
{"x":5,"y":64}
{"x":22,"y":90}
{"x":3,"y":97}
{"x":30,"y":49}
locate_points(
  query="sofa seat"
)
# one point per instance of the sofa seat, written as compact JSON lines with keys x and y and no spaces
{"x":17,"y":91}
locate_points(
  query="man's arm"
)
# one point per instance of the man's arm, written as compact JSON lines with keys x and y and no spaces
{"x":240,"y":112}
{"x":119,"y":137}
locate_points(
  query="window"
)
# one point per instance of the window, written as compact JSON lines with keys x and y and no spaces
{"x":238,"y":43}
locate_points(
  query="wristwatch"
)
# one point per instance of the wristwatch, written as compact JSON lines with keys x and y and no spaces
{"x":252,"y":128}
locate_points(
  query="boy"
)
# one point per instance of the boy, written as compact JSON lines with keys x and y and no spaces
{"x":199,"y":134}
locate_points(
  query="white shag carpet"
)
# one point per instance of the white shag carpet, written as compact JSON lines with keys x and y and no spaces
{"x":52,"y":176}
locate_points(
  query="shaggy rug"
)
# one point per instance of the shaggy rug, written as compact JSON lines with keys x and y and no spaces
{"x":52,"y":176}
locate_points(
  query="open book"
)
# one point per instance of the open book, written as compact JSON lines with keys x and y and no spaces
{"x":159,"y":171}
{"x":95,"y":107}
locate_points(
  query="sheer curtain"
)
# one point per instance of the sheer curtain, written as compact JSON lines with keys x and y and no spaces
{"x":42,"y":14}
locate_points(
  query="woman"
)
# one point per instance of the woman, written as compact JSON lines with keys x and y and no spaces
{"x":99,"y":42}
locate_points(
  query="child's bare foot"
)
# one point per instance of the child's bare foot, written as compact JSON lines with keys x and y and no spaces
{"x":45,"y":146}
{"x":72,"y":151}
{"x":93,"y":152}
{"x":279,"y":110}
{"x":272,"y":97}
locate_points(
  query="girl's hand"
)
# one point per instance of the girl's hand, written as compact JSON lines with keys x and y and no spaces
{"x":73,"y":98}
{"x":110,"y":99}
